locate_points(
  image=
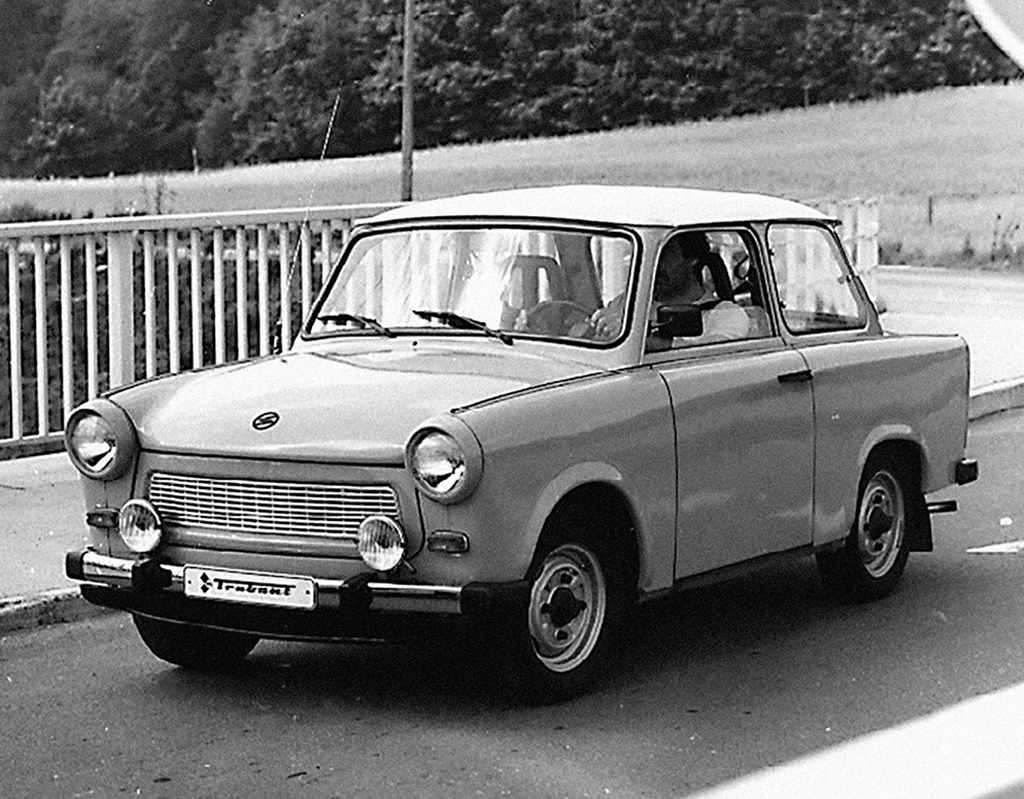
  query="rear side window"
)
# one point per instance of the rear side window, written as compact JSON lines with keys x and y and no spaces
{"x":814,"y":283}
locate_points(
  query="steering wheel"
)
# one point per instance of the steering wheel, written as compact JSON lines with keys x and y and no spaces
{"x":560,"y":318}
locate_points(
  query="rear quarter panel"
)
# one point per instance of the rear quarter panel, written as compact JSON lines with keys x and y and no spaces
{"x":876,"y":389}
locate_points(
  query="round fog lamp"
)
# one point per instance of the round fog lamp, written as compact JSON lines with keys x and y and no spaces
{"x":381,"y":543}
{"x":139,"y":526}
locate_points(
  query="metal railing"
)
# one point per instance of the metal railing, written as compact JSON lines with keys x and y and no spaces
{"x":860,"y":226}
{"x":94,"y":304}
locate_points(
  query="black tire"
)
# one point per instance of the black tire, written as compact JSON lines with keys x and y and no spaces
{"x":194,"y":648}
{"x":573,"y":624}
{"x":872,"y":559}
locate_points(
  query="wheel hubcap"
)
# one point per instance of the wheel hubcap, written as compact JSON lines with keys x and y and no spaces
{"x":567,"y":607}
{"x":881,"y":524}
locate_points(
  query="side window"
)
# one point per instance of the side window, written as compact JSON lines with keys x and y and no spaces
{"x":706,"y":290}
{"x":814,"y":283}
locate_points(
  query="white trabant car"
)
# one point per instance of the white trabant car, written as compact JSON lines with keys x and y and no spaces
{"x":527,"y":410}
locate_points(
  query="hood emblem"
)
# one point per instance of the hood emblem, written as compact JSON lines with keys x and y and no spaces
{"x":265,"y":420}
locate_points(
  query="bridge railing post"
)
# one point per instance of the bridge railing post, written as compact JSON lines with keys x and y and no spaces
{"x":121,"y":307}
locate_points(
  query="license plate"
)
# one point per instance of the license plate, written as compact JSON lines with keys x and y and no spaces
{"x":250,"y":588}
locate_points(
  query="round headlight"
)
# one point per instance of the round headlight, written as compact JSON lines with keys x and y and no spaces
{"x":139,"y":526}
{"x":100,"y":440}
{"x":438,"y":463}
{"x":381,"y":543}
{"x":445,"y":458}
{"x":92,"y":442}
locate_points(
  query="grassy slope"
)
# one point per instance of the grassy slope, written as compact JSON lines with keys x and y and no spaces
{"x":963,"y":147}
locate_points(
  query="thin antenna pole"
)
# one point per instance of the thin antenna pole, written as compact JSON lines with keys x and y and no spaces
{"x":408,"y":58}
{"x":286,"y":290}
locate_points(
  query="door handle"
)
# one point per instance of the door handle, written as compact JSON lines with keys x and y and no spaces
{"x":803,"y":376}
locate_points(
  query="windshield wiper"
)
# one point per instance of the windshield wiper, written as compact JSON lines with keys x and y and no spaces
{"x":460,"y":322}
{"x":362,"y":321}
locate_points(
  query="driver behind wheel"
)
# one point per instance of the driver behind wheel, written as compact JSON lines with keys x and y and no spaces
{"x":679,"y":280}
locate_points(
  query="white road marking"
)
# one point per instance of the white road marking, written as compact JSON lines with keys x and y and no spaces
{"x":967,"y":751}
{"x":1005,"y":548}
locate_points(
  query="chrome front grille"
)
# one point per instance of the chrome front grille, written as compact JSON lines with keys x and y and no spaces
{"x":327,"y":511}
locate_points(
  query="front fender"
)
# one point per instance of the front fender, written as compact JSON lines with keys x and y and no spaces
{"x":577,"y":475}
{"x":614,"y":429}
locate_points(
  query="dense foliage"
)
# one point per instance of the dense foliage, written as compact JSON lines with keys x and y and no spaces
{"x":93,"y":86}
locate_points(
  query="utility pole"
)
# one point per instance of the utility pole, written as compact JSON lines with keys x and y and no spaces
{"x":408,"y":59}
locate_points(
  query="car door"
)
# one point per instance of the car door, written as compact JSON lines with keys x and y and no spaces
{"x":744,"y":430}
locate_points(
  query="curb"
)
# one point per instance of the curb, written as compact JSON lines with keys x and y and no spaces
{"x":57,"y":606}
{"x":64,"y":605}
{"x":996,"y":397}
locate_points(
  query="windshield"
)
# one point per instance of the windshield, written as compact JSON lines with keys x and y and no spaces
{"x":508,"y":280}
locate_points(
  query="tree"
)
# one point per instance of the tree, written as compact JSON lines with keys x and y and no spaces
{"x":124,"y":85}
{"x":280,"y":78}
{"x":534,"y":38}
{"x":76,"y":131}
{"x":28,"y":33}
{"x":128,"y":85}
{"x":460,"y":88}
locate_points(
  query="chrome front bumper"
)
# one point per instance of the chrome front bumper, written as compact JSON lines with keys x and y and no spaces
{"x":92,"y":567}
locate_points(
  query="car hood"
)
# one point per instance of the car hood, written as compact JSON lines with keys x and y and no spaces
{"x":340,"y":405}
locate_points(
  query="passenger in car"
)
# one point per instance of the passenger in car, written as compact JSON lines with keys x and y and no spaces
{"x":680,"y":280}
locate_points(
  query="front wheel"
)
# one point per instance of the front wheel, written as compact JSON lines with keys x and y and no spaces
{"x":194,"y":648}
{"x":568,"y":605}
{"x":872,"y":560}
{"x":571,"y":626}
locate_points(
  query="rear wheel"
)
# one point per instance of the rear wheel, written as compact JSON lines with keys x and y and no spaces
{"x":194,"y":648}
{"x":872,"y":560}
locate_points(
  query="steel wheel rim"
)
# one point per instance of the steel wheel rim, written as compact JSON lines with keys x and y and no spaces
{"x":881,"y":523}
{"x":567,"y":608}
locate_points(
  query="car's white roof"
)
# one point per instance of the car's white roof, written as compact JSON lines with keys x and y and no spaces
{"x":655,"y":206}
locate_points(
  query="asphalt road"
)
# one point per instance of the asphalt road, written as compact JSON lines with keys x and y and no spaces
{"x":722,"y":682}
